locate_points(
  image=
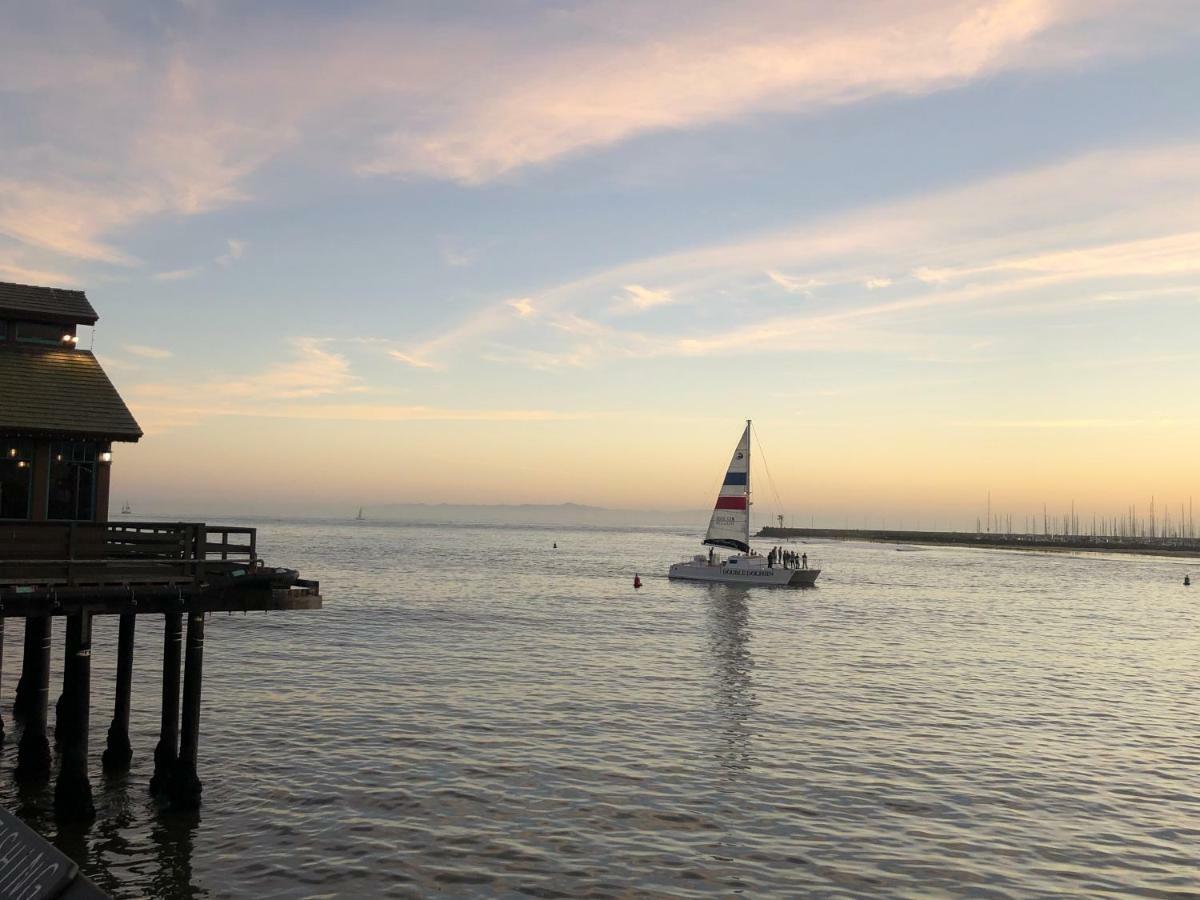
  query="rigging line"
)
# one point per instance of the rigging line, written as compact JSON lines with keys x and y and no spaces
{"x":767,"y":469}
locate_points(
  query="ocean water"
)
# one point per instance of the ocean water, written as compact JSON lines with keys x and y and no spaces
{"x":475,"y":713}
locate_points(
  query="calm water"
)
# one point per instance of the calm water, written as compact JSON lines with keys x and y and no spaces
{"x":475,"y":713}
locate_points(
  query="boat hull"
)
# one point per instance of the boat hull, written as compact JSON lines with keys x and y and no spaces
{"x":725,"y":573}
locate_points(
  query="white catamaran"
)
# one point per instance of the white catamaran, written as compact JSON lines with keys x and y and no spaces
{"x":730,"y":527}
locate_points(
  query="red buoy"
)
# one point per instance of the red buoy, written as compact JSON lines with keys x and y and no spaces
{"x":637,"y":582}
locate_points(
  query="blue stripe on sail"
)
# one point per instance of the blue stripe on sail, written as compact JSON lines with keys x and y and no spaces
{"x":735,"y":477}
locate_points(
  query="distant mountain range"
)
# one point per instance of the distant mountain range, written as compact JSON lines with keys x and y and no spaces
{"x":531,"y":514}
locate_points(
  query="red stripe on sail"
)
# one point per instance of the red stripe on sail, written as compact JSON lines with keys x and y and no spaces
{"x":731,"y":503}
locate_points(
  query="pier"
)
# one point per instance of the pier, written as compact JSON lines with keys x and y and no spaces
{"x":64,"y":568}
{"x":1160,"y":546}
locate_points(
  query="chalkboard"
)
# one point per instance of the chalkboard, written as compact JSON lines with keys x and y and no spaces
{"x":31,"y":868}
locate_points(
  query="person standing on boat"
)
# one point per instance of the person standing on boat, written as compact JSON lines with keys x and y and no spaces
{"x":710,"y":556}
{"x":804,"y":560}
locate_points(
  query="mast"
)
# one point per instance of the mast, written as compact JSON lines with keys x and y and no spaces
{"x":749,"y":441}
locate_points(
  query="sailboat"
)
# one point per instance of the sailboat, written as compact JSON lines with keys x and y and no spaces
{"x":126,"y":509}
{"x":360,"y":517}
{"x":730,"y":528}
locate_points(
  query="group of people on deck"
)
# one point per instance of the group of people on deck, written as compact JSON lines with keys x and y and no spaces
{"x":786,"y":559}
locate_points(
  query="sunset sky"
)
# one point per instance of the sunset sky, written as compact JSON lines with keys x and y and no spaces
{"x":486,"y":252}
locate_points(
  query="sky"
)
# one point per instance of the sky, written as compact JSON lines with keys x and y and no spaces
{"x":502,"y":252}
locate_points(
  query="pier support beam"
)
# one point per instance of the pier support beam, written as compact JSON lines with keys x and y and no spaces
{"x":185,"y":786}
{"x":63,"y":714}
{"x":1,"y":672}
{"x":22,"y":703}
{"x":166,"y":754}
{"x":118,"y":753}
{"x":73,"y":791}
{"x":33,"y":753}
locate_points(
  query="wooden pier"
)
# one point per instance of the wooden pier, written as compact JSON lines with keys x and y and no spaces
{"x":61,"y":559}
{"x":170,"y":571}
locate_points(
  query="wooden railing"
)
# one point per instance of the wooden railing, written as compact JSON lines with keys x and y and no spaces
{"x":109,"y":553}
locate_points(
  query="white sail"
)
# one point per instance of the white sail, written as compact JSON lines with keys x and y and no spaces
{"x":730,"y":523}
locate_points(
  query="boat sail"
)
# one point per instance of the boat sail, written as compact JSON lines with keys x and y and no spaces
{"x":730,"y":522}
{"x":360,"y":517}
{"x":729,"y":528}
{"x":126,"y":509}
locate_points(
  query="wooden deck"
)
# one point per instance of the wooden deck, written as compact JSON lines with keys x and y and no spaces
{"x":58,"y":568}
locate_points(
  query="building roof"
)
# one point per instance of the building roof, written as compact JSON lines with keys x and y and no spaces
{"x":61,"y":392}
{"x":45,"y":304}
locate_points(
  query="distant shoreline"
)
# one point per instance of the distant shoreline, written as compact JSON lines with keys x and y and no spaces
{"x":1181,"y":547}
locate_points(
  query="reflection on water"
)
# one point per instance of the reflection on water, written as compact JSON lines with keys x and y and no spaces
{"x":945,"y":723}
{"x":728,"y":615}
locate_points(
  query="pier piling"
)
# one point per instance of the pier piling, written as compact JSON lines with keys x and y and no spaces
{"x":185,"y":787}
{"x":1,"y":672}
{"x":33,"y":752}
{"x":22,"y":702}
{"x":166,"y":753}
{"x":119,"y":753}
{"x":73,"y":790}
{"x":63,"y":714}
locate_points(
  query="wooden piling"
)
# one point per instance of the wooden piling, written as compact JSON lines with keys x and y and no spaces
{"x":119,"y":753}
{"x":63,"y":713}
{"x":33,"y":752}
{"x":1,"y":672}
{"x":73,"y":791}
{"x":23,"y":702}
{"x":185,"y":786}
{"x":166,"y":754}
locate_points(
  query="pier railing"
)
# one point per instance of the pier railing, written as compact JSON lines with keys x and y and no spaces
{"x":73,"y":554}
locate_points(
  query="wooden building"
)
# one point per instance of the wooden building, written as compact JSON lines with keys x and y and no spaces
{"x":60,"y":417}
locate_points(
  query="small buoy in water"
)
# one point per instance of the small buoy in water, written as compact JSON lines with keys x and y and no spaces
{"x":637,"y":582}
{"x":556,"y":545}
{"x":1187,"y":580}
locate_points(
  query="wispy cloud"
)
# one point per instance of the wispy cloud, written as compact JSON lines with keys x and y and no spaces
{"x":524,"y":307}
{"x":410,"y":360}
{"x":236,"y":250}
{"x":223,"y":94}
{"x":147,"y":352}
{"x":640,"y":298}
{"x":1117,"y":226}
{"x":793,"y":285}
{"x":178,"y":274}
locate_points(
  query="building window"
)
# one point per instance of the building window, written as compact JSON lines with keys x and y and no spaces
{"x":16,"y":479}
{"x":39,"y":333}
{"x":72,"y":488}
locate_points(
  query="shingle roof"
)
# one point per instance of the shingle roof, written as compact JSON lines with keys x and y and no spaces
{"x":46,"y":304}
{"x":53,"y":391}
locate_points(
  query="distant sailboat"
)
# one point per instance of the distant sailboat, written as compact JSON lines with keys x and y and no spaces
{"x":126,"y":509}
{"x":360,"y":517}
{"x":730,"y":527}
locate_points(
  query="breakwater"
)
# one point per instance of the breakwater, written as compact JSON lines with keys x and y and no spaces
{"x":1170,"y":546}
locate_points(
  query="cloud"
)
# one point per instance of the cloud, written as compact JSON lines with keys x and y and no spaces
{"x":410,"y":360}
{"x":316,"y":384}
{"x":655,"y":71}
{"x":178,"y":274}
{"x":235,"y":252}
{"x":147,"y":352}
{"x":793,"y":285}
{"x":874,"y":284}
{"x":523,"y":306}
{"x":1107,"y":227}
{"x":644,"y":298}
{"x":173,"y":118}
